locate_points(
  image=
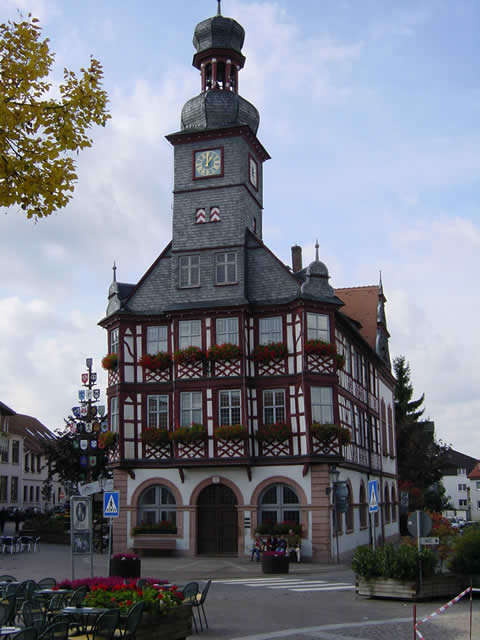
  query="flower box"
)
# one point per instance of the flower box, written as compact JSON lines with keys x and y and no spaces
{"x":227,"y":351}
{"x":231,"y":432}
{"x":163,"y":527}
{"x":271,"y":351}
{"x":279,"y":528}
{"x":326,"y":432}
{"x":340,"y":360}
{"x":188,"y":355}
{"x":273,"y":562}
{"x":110,"y":361}
{"x":189,"y":434}
{"x":125,"y":567}
{"x":151,"y":434}
{"x":174,"y":625}
{"x":438,"y":586}
{"x":155,"y":362}
{"x":320,"y":348}
{"x":107,"y":439}
{"x":280,"y":431}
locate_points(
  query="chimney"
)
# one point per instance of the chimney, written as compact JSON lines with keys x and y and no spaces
{"x":296,"y":258}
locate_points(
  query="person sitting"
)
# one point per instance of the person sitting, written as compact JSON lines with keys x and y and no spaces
{"x":281,"y":546}
{"x":256,"y":549}
{"x":293,"y":544}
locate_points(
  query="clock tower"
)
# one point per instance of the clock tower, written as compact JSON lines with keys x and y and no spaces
{"x":218,"y":177}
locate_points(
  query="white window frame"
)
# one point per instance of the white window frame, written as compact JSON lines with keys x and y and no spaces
{"x":157,"y":339}
{"x":279,"y":509}
{"x":191,"y":408}
{"x":164,"y":506}
{"x":275,"y":406}
{"x":189,"y":334}
{"x":315,"y":327}
{"x":322,"y":404}
{"x":157,"y":411}
{"x":226,"y":268}
{"x":189,"y":271}
{"x":270,"y":330}
{"x":229,"y":407}
{"x":226,"y":330}
{"x":114,"y":415}
{"x":115,"y":340}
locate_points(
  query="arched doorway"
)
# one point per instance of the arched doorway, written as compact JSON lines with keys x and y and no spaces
{"x":217,"y":530}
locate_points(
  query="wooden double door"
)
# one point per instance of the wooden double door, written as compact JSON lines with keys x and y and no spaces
{"x":217,"y":525}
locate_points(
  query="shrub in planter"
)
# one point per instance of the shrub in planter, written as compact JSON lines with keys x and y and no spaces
{"x":164,"y":526}
{"x":280,"y":431}
{"x":155,"y":435}
{"x":231,"y":432}
{"x":279,"y":528}
{"x":271,"y":351}
{"x":110,"y":361}
{"x":125,"y":565}
{"x":227,"y":351}
{"x":189,"y":434}
{"x":320,"y":348}
{"x":188,"y":355}
{"x":324,"y":432}
{"x":466,"y":553}
{"x":400,"y":563}
{"x":275,"y":562}
{"x":156,"y":362}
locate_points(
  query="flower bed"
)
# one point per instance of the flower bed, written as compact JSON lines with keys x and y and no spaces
{"x":231,"y":432}
{"x":157,"y":599}
{"x":271,"y":351}
{"x":109,"y":582}
{"x":325,"y":432}
{"x":151,"y":434}
{"x":320,"y":348}
{"x":188,"y":355}
{"x":110,"y":361}
{"x":227,"y":351}
{"x":156,"y":362}
{"x":189,"y":434}
{"x":280,"y":431}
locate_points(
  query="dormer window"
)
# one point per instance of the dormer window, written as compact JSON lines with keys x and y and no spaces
{"x":189,"y":271}
{"x":226,"y":268}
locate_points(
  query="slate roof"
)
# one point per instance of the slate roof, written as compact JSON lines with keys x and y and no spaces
{"x":32,"y":430}
{"x":458,"y":460}
{"x":6,"y":411}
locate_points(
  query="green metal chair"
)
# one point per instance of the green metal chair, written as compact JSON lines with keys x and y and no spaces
{"x":33,"y":615}
{"x":7,"y":578}
{"x":28,"y":633}
{"x":54,"y":606}
{"x":200,"y":601}
{"x":47,"y":583}
{"x":104,"y":628}
{"x":78,"y":596}
{"x":190,"y":593}
{"x":7,"y":611}
{"x":57,"y":631}
{"x":133,"y":620}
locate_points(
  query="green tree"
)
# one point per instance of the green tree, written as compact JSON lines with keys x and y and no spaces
{"x":436,"y":498}
{"x":39,"y":133}
{"x":421,"y":458}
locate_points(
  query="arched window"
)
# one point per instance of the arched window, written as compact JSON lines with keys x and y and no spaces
{"x":349,"y":515}
{"x":383,"y":418}
{"x":156,"y":504}
{"x":363,"y":507}
{"x":279,"y":503}
{"x":390,"y":431}
{"x":394,"y":504}
{"x":386,"y":503}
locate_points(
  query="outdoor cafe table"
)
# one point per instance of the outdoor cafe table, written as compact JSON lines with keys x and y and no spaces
{"x":51,"y":592}
{"x":84,"y":612}
{"x":7,"y":631}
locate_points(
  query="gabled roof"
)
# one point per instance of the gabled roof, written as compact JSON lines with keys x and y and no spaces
{"x":457,"y":460}
{"x":361,"y":305}
{"x":6,"y":411}
{"x":475,"y":473}
{"x":34,"y":432}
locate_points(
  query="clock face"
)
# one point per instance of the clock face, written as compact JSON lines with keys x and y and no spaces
{"x":208,"y":163}
{"x":253,"y":172}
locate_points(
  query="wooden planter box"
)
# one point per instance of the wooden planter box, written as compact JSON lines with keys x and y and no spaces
{"x":275,"y":564}
{"x":154,"y":542}
{"x":127,"y":568}
{"x":433,"y":587}
{"x":176,"y":625}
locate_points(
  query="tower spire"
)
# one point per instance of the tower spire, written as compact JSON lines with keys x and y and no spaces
{"x":114,"y":269}
{"x":219,"y":8}
{"x":316,"y":251}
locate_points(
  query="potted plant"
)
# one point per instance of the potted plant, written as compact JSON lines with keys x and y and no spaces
{"x":125,"y":565}
{"x":275,"y":562}
{"x":271,"y":351}
{"x":226,"y":351}
{"x":189,"y":434}
{"x":107,"y":439}
{"x":151,"y":434}
{"x":326,"y":432}
{"x":162,"y":527}
{"x":189,"y":355}
{"x":231,"y":432}
{"x":110,"y":361}
{"x":155,"y":362}
{"x":279,"y":431}
{"x":320,"y":348}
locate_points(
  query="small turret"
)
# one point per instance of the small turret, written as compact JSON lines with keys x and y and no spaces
{"x":382,"y":331}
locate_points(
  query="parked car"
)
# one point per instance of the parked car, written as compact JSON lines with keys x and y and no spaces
{"x":469,"y":525}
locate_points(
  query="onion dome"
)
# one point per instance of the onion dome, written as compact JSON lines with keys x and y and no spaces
{"x":218,"y":32}
{"x":316,"y":280}
{"x":217,"y":108}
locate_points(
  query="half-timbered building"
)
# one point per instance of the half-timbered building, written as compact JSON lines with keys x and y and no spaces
{"x":238,"y":383}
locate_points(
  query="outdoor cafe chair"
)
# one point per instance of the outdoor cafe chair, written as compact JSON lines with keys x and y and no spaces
{"x":104,"y":627}
{"x":190,"y":592}
{"x":47,"y":583}
{"x":7,"y":611}
{"x":134,"y":617}
{"x":55,"y":606}
{"x":7,"y":578}
{"x":78,"y":596}
{"x":56,"y":631}
{"x":24,"y":543}
{"x":33,"y":615}
{"x":8,"y":544}
{"x":200,"y":601}
{"x":28,"y":633}
{"x":36,"y":543}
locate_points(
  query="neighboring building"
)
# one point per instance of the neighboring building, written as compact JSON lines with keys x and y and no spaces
{"x":217,"y":283}
{"x":457,"y":483}
{"x":23,"y":471}
{"x":474,"y":493}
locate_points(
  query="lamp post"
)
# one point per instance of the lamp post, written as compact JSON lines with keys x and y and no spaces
{"x":334,"y":475}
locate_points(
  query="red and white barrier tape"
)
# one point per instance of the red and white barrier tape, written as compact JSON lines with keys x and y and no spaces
{"x":441,"y":610}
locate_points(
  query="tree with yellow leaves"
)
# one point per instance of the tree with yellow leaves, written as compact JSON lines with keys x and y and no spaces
{"x":38,"y":132}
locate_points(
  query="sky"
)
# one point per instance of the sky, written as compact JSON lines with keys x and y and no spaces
{"x":370,"y":113}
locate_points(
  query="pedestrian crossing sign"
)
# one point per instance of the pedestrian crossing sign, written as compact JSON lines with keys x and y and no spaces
{"x":373,"y":496}
{"x":111,"y":508}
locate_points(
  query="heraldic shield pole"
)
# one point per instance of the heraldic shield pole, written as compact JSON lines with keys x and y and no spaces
{"x":91,"y":437}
